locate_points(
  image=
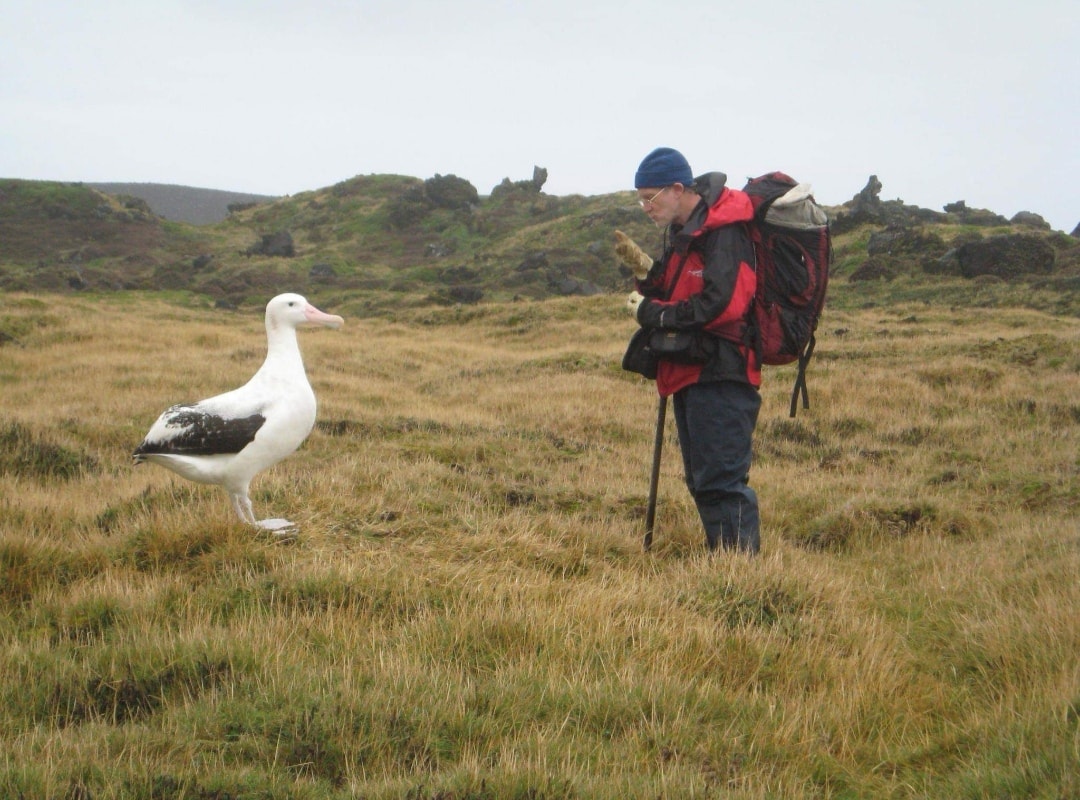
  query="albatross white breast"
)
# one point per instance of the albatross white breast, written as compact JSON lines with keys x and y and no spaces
{"x":227,"y":439}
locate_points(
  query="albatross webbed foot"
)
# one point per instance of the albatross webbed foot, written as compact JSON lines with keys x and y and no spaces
{"x":278,"y":526}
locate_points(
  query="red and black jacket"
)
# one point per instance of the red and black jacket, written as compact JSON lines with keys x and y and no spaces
{"x":711,"y":261}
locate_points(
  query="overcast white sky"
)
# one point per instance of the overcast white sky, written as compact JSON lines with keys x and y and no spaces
{"x":975,"y":100}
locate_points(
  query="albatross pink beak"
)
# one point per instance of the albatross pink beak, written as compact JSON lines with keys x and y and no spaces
{"x":316,"y":317}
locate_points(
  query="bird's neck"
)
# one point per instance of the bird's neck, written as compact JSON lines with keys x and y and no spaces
{"x":282,"y":351}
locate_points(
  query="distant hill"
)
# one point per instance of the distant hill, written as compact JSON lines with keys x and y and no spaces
{"x":183,"y":203}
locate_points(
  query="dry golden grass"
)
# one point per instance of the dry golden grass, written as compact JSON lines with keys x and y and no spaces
{"x":467,"y":612}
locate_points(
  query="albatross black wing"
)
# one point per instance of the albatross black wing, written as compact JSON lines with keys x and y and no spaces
{"x":188,"y":431}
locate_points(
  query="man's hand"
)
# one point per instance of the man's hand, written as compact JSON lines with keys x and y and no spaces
{"x":632,"y":303}
{"x":632,"y":255}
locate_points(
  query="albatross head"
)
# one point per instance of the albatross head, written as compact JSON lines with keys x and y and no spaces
{"x":293,"y":310}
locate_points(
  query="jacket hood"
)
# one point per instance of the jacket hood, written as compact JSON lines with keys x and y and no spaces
{"x":710,"y":185}
{"x":720,"y":206}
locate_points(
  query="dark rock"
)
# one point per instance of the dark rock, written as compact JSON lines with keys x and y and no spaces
{"x":947,"y":264}
{"x":536,"y":260}
{"x":322,"y":272}
{"x":465,"y":295}
{"x":1030,"y":220}
{"x":867,"y":207}
{"x":539,"y":178}
{"x":896,"y":213}
{"x":1006,"y":256}
{"x":202,"y":261}
{"x":273,"y":244}
{"x":876,"y":268}
{"x":868,"y":199}
{"x":905,"y":241}
{"x":960,"y":212}
{"x":510,"y":189}
{"x":862,"y":208}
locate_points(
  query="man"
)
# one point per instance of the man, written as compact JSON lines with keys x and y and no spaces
{"x":703,"y":283}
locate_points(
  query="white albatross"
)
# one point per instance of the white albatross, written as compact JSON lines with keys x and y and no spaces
{"x":227,"y":439}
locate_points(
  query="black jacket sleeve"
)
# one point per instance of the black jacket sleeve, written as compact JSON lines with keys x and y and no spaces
{"x":723,"y":250}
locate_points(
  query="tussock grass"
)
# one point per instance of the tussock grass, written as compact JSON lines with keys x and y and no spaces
{"x":467,"y":613}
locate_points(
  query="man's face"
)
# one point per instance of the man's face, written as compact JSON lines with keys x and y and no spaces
{"x":660,"y":202}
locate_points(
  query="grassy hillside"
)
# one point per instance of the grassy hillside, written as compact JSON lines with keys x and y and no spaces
{"x":467,"y":612}
{"x":380,"y":243}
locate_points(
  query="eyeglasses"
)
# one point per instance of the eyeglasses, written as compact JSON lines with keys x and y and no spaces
{"x":650,"y":201}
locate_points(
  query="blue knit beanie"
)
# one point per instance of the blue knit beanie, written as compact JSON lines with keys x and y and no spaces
{"x":663,"y":167}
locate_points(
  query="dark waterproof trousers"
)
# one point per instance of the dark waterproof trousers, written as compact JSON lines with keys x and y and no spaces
{"x":716,"y":426}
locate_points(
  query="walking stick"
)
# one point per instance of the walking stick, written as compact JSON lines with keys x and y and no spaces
{"x":654,"y":478}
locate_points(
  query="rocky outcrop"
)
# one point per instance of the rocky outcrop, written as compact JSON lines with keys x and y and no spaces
{"x":1029,"y":219}
{"x":322,"y":273}
{"x":877,"y":268}
{"x":960,"y":213}
{"x":1006,"y":256}
{"x":868,"y":207}
{"x":273,"y":244}
{"x":892,"y":251}
{"x":530,"y":187}
{"x":862,"y":208}
{"x":906,"y":242}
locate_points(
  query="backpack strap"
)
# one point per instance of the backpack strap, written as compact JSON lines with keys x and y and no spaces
{"x":751,"y":338}
{"x":800,"y":378}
